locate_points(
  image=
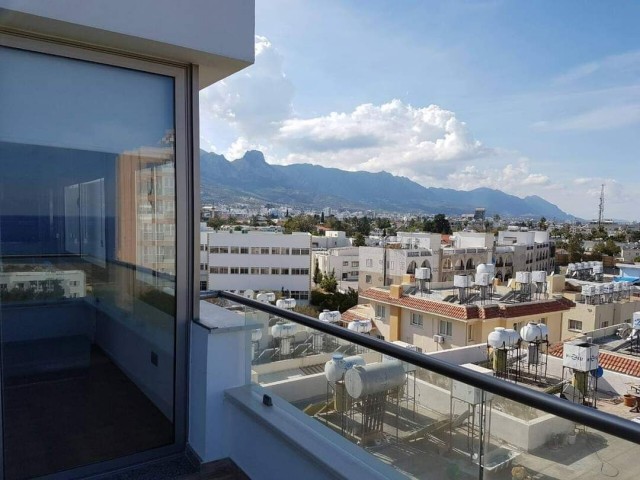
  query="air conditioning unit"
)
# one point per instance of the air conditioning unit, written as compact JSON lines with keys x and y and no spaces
{"x":438,"y":338}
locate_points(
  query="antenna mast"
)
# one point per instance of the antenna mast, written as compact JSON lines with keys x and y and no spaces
{"x":601,"y":207}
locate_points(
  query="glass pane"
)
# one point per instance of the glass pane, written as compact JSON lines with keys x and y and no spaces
{"x":87,"y":262}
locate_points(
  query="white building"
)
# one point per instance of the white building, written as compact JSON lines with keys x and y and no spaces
{"x":343,"y":262}
{"x":256,"y":261}
{"x":72,"y":281}
{"x":517,"y":251}
{"x":331,"y":239}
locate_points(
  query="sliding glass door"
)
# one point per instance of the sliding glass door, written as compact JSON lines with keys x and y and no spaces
{"x":88,"y":262}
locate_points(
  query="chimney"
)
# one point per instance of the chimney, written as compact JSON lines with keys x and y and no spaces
{"x":395,"y":291}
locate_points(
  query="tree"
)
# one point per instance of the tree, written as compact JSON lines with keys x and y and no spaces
{"x":322,"y":218}
{"x":300,"y":223}
{"x":441,"y":224}
{"x":329,"y":283}
{"x":542,"y":224}
{"x":215,"y":222}
{"x":317,"y":273}
{"x":575,"y":247}
{"x":637,"y":259}
{"x":359,"y":240}
{"x":608,"y":247}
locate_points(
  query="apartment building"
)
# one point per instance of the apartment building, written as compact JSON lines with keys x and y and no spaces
{"x":331,"y":239}
{"x":71,"y":283}
{"x":343,"y":262}
{"x":523,"y":251}
{"x":243,"y":260}
{"x":462,"y":252}
{"x":431,"y":323}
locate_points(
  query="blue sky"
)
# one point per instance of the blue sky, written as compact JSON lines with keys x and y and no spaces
{"x":529,"y":97}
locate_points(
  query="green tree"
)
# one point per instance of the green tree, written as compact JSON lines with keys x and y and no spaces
{"x":607,"y":247}
{"x":575,"y":247}
{"x":359,"y":240}
{"x":637,"y":259}
{"x":329,"y":283}
{"x":322,"y":217}
{"x":317,"y":273}
{"x":300,"y":223}
{"x":542,"y":224}
{"x":215,"y":222}
{"x":441,"y":224}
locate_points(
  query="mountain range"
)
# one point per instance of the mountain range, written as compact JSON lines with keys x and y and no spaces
{"x":251,"y":179}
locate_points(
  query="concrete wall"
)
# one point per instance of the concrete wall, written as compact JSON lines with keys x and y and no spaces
{"x":216,"y":34}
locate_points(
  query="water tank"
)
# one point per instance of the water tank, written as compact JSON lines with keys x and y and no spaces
{"x":335,"y":368}
{"x":587,"y":290}
{"x":482,"y":268}
{"x":523,"y":277}
{"x":284,"y":329}
{"x":635,"y":323}
{"x":598,"y":289}
{"x":256,"y":335}
{"x":498,"y":338}
{"x":329,"y":317}
{"x":597,"y":269}
{"x":262,"y":297}
{"x":482,"y":279}
{"x":571,"y":267}
{"x":539,"y":276}
{"x":286,"y":303}
{"x":360,"y":326}
{"x":534,"y":331}
{"x":423,"y":273}
{"x":617,"y":287}
{"x":374,"y":378}
{"x":514,"y":337}
{"x":461,"y":281}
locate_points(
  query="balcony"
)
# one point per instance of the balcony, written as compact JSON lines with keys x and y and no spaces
{"x":314,"y":400}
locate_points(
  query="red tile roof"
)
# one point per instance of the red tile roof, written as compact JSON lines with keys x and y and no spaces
{"x":350,"y":316}
{"x":608,"y":360}
{"x":468,"y":312}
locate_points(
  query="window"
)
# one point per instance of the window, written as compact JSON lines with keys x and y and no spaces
{"x":244,"y":270}
{"x":304,"y":251}
{"x":300,"y":294}
{"x":355,"y":264}
{"x":255,"y":271}
{"x":220,"y":270}
{"x":367,"y":278}
{"x":369,"y":262}
{"x":445,"y":328}
{"x":284,"y":251}
{"x":345,"y":263}
{"x":275,"y":271}
{"x":275,"y":250}
{"x":284,"y":271}
{"x":381,"y":311}
{"x":575,"y":325}
{"x":416,"y":319}
{"x":203,"y":286}
{"x":219,"y":250}
{"x":264,"y":270}
{"x":604,"y":324}
{"x":255,"y":250}
{"x":264,"y":250}
{"x":234,"y":249}
{"x":299,"y":271}
{"x":470,"y":333}
{"x":244,"y":250}
{"x":234,"y":270}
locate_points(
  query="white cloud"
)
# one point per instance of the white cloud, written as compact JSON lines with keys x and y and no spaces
{"x":583,"y":180}
{"x":621,"y":64}
{"x":255,"y":100}
{"x":510,"y":178}
{"x":395,"y":137}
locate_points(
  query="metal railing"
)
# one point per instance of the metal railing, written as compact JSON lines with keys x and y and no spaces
{"x":587,"y":416}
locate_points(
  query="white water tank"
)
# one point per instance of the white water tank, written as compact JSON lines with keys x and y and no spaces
{"x":461,"y":281}
{"x":284,"y":329}
{"x":360,"y":326}
{"x":330,"y":317}
{"x":597,"y":269}
{"x":532,"y":332}
{"x":256,"y":335}
{"x":523,"y":277}
{"x":636,"y":321}
{"x":571,"y":268}
{"x":514,"y":336}
{"x":248,"y":294}
{"x":335,"y":368}
{"x":423,"y":273}
{"x":539,"y":276}
{"x":598,"y":289}
{"x":364,"y":380}
{"x":617,"y":287}
{"x":587,"y":290}
{"x":286,"y":303}
{"x":498,"y":338}
{"x":482,"y":279}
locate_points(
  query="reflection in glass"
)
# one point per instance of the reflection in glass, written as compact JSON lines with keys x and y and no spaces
{"x":87,"y":262}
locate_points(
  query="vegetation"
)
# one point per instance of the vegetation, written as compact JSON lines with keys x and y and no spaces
{"x":359,"y":240}
{"x":317,"y":273}
{"x":329,"y":283}
{"x":334,"y":301}
{"x":607,"y":247}
{"x":53,"y":290}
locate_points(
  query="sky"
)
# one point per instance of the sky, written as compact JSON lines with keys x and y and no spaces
{"x":532,"y":98}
